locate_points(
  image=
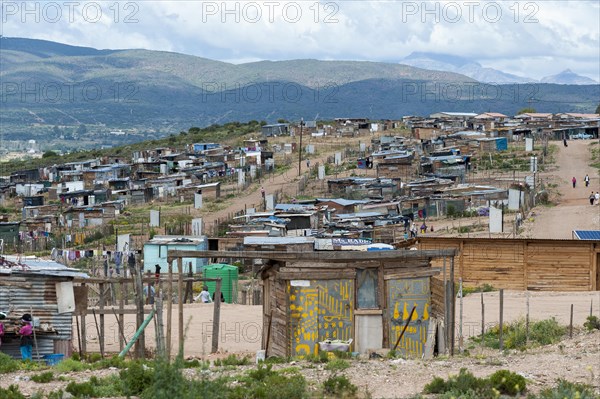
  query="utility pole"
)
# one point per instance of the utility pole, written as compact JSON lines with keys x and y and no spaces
{"x":300,"y":149}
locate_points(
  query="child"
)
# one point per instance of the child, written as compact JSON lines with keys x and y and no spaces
{"x":204,"y":296}
{"x":26,"y":333}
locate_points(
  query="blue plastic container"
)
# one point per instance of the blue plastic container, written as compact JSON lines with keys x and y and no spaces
{"x":54,"y":359}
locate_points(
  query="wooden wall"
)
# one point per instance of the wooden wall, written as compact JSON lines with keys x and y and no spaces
{"x":522,"y":264}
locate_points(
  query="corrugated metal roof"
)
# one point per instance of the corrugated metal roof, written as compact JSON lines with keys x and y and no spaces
{"x":587,"y":234}
{"x":278,"y":240}
{"x":34,"y":265}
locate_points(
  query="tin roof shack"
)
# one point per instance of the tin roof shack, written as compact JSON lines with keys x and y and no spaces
{"x":44,"y":289}
{"x":366,"y":296}
{"x":155,"y":251}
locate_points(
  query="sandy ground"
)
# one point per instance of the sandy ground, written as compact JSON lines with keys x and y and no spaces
{"x":576,"y":359}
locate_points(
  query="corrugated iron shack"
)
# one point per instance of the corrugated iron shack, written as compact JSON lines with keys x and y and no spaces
{"x":43,"y":288}
{"x":364,"y":296}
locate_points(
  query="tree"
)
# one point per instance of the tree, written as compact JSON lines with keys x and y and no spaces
{"x":49,"y":154}
{"x":281,"y":121}
{"x":526,"y":110}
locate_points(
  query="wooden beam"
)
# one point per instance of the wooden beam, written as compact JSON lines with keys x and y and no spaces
{"x":316,"y":256}
{"x":316,"y":275}
{"x":433,"y":271}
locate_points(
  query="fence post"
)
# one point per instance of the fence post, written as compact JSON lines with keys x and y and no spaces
{"x":500,"y":335}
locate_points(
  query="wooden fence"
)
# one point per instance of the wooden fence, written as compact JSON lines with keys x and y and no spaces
{"x":523,"y":264}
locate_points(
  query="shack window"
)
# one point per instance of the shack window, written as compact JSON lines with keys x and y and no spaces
{"x":367,"y":290}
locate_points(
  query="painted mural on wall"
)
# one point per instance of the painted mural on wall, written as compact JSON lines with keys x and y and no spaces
{"x":403,"y":295}
{"x":319,"y":310}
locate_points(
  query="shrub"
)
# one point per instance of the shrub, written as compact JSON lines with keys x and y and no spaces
{"x":508,"y":383}
{"x":566,"y":389}
{"x":12,"y":392}
{"x":592,"y":323}
{"x":337,"y":365}
{"x":70,"y":365}
{"x":542,"y":332}
{"x":232,"y":360}
{"x":43,"y":377}
{"x":7,"y":364}
{"x":135,"y":378}
{"x":340,"y":386}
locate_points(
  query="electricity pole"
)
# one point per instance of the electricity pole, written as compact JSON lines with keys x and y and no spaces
{"x":300,"y":149}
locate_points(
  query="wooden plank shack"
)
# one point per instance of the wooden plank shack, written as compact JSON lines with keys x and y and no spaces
{"x":523,"y":264}
{"x":311,"y":296}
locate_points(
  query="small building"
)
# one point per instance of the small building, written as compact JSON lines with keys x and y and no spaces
{"x":369,"y":296}
{"x":278,"y":129}
{"x":155,"y":252}
{"x":9,"y":234}
{"x":44,"y":289}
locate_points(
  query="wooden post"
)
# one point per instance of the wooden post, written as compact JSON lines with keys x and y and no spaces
{"x":160,"y":341}
{"x":500,"y":332}
{"x":122,"y":338}
{"x":102,"y":330}
{"x":460,"y":317}
{"x":571,"y":323}
{"x":452,"y":298}
{"x":83,"y":332}
{"x":169,"y":309}
{"x":180,"y":302}
{"x":140,"y":345}
{"x":482,"y":317}
{"x":527,"y":321}
{"x":216,"y":317}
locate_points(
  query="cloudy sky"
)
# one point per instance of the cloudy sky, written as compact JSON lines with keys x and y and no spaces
{"x":527,"y":38}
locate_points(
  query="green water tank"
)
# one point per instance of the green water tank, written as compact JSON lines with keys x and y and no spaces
{"x":229,"y":280}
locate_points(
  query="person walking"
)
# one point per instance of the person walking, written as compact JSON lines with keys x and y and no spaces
{"x":586,"y":179}
{"x":574,"y":181}
{"x":592,"y":198}
{"x":597,"y":197}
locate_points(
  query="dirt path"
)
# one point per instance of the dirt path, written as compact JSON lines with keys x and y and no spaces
{"x":573,"y":210}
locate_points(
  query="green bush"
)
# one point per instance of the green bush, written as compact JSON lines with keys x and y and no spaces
{"x":340,"y":386}
{"x":8,"y":364}
{"x":466,"y":385}
{"x":12,"y":392}
{"x":70,"y":365}
{"x":507,"y":382}
{"x":566,"y":389}
{"x":544,"y":332}
{"x":43,"y":378}
{"x":337,"y":365}
{"x":232,"y":360}
{"x":592,"y":323}
{"x":135,"y":378}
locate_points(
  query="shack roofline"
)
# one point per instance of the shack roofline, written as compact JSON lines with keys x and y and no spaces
{"x":316,"y":256}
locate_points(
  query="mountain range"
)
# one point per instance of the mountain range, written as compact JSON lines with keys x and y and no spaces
{"x":474,"y":70}
{"x":49,"y":90}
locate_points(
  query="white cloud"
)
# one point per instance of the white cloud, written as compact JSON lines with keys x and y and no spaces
{"x":523,"y":37}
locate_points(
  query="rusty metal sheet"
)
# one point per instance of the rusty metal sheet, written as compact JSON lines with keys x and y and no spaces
{"x":319,"y":310}
{"x":402,"y":296}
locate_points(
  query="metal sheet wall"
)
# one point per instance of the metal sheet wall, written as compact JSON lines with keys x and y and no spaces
{"x":40,"y":299}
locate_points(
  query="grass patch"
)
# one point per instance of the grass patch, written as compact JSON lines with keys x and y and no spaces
{"x":339,"y":386}
{"x":466,"y":385}
{"x":480,"y":288}
{"x":566,"y":389}
{"x":544,"y":332}
{"x":232,"y":360}
{"x":592,"y":323}
{"x":43,"y":378}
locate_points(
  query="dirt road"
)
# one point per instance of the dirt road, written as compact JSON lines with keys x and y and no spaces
{"x":573,"y":210}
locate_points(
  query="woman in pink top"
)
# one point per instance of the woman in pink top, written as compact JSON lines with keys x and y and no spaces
{"x":26,"y":333}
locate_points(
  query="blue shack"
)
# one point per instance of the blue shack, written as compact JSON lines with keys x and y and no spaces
{"x":155,"y":252}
